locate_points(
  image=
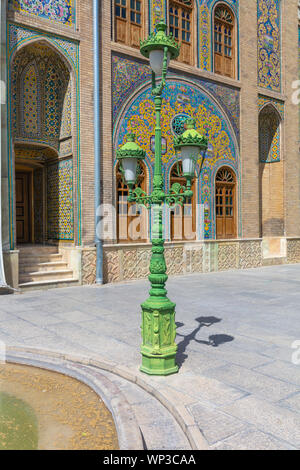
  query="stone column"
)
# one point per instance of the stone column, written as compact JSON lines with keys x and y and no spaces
{"x":7,"y":258}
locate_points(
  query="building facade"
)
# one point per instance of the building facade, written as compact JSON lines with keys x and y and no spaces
{"x":237,"y":75}
{"x":47,"y":172}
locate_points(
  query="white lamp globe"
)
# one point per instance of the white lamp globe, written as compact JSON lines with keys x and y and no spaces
{"x":129,"y":166}
{"x":157,"y":61}
{"x":128,"y":156}
{"x":189,"y":156}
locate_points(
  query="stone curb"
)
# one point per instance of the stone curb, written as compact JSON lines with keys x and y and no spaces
{"x":178,"y":411}
{"x":129,"y":434}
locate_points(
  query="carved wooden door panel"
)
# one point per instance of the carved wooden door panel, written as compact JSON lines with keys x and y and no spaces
{"x":22,"y":207}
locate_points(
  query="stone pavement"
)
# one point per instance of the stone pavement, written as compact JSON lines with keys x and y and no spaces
{"x":237,"y":385}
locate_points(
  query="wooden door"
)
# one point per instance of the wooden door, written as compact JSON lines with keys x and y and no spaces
{"x":225,"y":205}
{"x":23,"y":207}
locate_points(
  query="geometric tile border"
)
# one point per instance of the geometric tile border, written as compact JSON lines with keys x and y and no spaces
{"x":123,"y":263}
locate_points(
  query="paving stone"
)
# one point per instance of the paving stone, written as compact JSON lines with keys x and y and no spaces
{"x":55,"y":343}
{"x":6,"y":316}
{"x":10,"y":340}
{"x":283,"y":371}
{"x":171,"y":441}
{"x":75,"y":316}
{"x":252,"y":382}
{"x":204,"y":389}
{"x":252,"y":440}
{"x":245,"y":359}
{"x":215,"y":425}
{"x":109,"y":346}
{"x":278,"y":353}
{"x":198,"y":361}
{"x":292,"y":402}
{"x":38,"y":318}
{"x":272,"y":419}
{"x":20,"y":329}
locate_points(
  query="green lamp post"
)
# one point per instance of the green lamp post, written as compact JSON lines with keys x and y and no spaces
{"x":158,"y":312}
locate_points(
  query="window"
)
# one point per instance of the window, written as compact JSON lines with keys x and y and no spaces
{"x":129,"y":22}
{"x":181,"y":21}
{"x":269,"y":135}
{"x":225,"y":204}
{"x":224,"y":42}
{"x":271,"y":173}
{"x":131,"y":219}
{"x":183,"y":218}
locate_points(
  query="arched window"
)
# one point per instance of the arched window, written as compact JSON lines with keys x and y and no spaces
{"x":225,"y":204}
{"x":132,"y":220}
{"x":269,"y":135}
{"x":224,"y":41}
{"x":181,"y":27}
{"x":129,"y":22}
{"x":183,"y":218}
{"x":271,"y":197}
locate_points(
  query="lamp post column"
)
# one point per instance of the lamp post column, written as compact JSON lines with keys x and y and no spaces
{"x":158,"y":312}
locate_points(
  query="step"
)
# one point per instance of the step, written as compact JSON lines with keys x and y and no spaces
{"x":37,"y":259}
{"x":38,"y":276}
{"x":38,"y":249}
{"x":30,"y":286}
{"x":48,"y":266}
{"x":273,"y":261}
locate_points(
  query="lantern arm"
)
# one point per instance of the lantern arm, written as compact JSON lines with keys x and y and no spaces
{"x":157,"y":197}
{"x":178,"y":195}
{"x":139,"y":196}
{"x":157,"y":90}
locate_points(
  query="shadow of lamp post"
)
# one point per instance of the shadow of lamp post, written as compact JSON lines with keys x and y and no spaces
{"x":158,"y":312}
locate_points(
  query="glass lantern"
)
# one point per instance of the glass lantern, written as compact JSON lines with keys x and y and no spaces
{"x":128,"y":156}
{"x":191,"y":147}
{"x":159,"y":47}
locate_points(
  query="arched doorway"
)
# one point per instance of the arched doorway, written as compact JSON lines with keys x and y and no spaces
{"x":132,"y":220}
{"x":182,"y":218}
{"x":226,"y":213}
{"x":42,"y":130}
{"x":271,"y":173}
{"x":33,"y":191}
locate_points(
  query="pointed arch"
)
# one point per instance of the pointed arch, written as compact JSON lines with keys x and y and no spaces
{"x":37,"y":62}
{"x":269,"y":134}
{"x":271,"y":173}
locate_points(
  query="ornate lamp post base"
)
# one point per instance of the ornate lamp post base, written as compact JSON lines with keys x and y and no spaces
{"x":158,"y":331}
